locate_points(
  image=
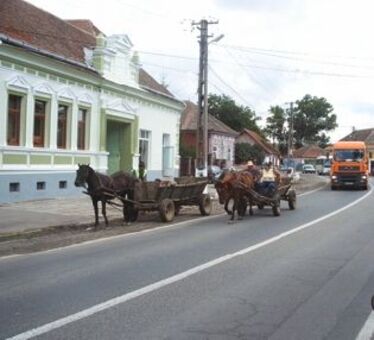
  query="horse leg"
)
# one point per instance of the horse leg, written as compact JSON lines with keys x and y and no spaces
{"x":103,"y":210}
{"x":94,"y":203}
{"x":234,"y":206}
{"x":250,"y":208}
{"x":226,"y":206}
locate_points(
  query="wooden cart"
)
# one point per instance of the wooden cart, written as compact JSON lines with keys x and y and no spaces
{"x":284,"y":192}
{"x":168,"y":197}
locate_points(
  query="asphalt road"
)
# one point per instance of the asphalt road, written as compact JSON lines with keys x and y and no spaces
{"x":307,"y":274}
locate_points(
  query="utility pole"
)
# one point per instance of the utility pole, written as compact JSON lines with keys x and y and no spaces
{"x":202,"y":119}
{"x":290,"y":132}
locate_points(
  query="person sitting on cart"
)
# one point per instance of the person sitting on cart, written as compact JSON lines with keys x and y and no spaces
{"x":269,"y":180}
{"x":252,"y":169}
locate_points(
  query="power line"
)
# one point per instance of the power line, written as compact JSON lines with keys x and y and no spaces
{"x":229,"y":86}
{"x":265,"y":50}
{"x":246,"y":70}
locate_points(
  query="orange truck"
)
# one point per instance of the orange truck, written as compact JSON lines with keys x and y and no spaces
{"x":349,"y":166}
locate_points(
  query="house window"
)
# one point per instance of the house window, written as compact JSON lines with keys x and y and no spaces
{"x":144,"y":146}
{"x":14,"y":119}
{"x":39,"y":122}
{"x":62,"y":184}
{"x":40,"y":185}
{"x":82,"y":120}
{"x":14,"y":187}
{"x":62,"y":126}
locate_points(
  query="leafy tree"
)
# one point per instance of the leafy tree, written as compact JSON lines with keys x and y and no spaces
{"x":237,"y":117}
{"x":187,"y":151}
{"x":276,"y":128}
{"x":312,"y":118}
{"x":246,"y":151}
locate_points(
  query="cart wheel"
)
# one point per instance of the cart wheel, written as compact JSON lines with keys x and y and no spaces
{"x":167,"y":210}
{"x":205,"y":205}
{"x":260,"y":206}
{"x":292,"y":199}
{"x":276,"y":205}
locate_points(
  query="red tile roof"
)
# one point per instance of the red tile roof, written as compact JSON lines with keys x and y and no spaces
{"x":43,"y":30}
{"x":148,"y":82}
{"x":260,"y":141}
{"x":189,"y":121}
{"x":309,"y":151}
{"x":365,"y":135}
{"x":65,"y":38}
{"x":85,"y":25}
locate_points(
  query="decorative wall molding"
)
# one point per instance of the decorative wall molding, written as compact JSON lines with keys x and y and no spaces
{"x":86,"y":98}
{"x":18,"y":82}
{"x":44,"y":88}
{"x":121,"y":105}
{"x":66,"y":93}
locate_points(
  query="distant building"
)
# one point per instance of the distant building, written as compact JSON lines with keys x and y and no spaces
{"x":221,"y":138}
{"x":308,"y":154}
{"x":367,"y":136}
{"x":68,"y":95}
{"x":253,"y":138}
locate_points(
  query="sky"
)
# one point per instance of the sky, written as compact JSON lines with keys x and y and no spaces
{"x":273,"y":51}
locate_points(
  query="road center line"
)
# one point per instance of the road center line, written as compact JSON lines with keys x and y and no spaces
{"x":175,"y":278}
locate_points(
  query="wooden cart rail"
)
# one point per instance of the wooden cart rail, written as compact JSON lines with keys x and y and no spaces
{"x":284,"y":192}
{"x":169,"y":197}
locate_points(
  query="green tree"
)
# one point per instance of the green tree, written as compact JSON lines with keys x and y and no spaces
{"x":245,"y":151}
{"x":275,"y":128}
{"x":235,"y":116}
{"x":312,"y":118}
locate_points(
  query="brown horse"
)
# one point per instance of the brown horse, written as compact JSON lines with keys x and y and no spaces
{"x":235,"y":185}
{"x":104,"y":188}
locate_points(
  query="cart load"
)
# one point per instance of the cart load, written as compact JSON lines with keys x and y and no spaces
{"x":168,"y":197}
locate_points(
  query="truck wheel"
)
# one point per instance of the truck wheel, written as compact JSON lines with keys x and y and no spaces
{"x":334,"y":187}
{"x":205,"y":205}
{"x":167,"y":210}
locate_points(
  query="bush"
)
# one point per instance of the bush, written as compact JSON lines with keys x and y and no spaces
{"x":245,"y":151}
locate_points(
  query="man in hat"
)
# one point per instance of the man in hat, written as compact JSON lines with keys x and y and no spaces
{"x":251,"y":168}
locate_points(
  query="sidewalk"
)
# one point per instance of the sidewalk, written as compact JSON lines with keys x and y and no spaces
{"x":36,"y":215}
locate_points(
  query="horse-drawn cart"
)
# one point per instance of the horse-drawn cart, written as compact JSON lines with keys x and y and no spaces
{"x":284,"y":192}
{"x":167,"y":198}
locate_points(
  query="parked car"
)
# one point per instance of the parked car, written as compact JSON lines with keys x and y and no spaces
{"x":309,"y":169}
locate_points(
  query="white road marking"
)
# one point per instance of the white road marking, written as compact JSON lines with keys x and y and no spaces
{"x":312,"y":191}
{"x":175,"y":278}
{"x":367,"y":330}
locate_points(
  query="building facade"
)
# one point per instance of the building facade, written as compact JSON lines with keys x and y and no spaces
{"x":70,"y":95}
{"x":221,"y":138}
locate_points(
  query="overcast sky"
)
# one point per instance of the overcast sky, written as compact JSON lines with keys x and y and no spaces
{"x":273,"y":51}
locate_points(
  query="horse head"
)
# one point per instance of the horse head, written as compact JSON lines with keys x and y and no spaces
{"x":82,"y":175}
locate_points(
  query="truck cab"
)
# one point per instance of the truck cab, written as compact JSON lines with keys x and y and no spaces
{"x":349,"y":165}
